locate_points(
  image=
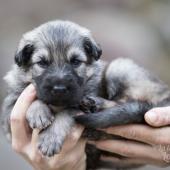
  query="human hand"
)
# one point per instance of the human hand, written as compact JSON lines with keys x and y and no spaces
{"x":158,"y":117}
{"x":144,"y":144}
{"x":24,"y":141}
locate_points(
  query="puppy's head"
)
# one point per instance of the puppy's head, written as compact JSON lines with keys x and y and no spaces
{"x":57,"y":56}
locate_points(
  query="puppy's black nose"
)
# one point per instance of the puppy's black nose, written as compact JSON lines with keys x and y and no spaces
{"x":59,"y":89}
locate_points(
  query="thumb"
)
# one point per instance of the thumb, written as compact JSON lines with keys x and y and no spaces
{"x":158,"y":117}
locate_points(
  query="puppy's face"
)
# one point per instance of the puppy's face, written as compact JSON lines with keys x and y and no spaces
{"x":57,"y":56}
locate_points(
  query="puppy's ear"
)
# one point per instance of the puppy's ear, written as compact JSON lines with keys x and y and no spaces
{"x":92,"y":49}
{"x":23,"y":56}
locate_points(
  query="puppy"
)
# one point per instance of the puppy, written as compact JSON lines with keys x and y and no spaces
{"x":61,"y":59}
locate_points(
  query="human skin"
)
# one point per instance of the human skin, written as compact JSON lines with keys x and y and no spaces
{"x":24,"y":140}
{"x":150,"y":145}
{"x":145,"y":144}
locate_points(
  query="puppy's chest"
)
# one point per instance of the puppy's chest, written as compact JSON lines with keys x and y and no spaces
{"x":55,"y":109}
{"x":70,"y":111}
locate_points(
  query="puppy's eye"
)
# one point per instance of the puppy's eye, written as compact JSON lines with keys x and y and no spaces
{"x":75,"y":62}
{"x":43,"y":62}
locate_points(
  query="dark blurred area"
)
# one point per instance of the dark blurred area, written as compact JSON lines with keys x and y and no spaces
{"x":139,"y":29}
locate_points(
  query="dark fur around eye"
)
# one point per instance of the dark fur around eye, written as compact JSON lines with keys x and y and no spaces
{"x":43,"y":62}
{"x":75,"y":62}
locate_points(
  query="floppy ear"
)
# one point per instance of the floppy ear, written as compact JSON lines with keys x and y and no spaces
{"x":92,"y":49}
{"x":23,"y":56}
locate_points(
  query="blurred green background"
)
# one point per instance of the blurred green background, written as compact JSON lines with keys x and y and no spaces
{"x":139,"y":29}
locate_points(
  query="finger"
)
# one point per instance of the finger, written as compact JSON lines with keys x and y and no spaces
{"x":32,"y":148}
{"x":138,"y":132}
{"x":71,"y":142}
{"x":124,"y":162}
{"x":82,"y":166}
{"x":158,"y":117}
{"x":77,"y":154}
{"x":34,"y":139}
{"x":19,"y":127}
{"x":133,"y":162}
{"x":81,"y":163}
{"x":72,"y":139}
{"x":71,"y":157}
{"x":34,"y":156}
{"x":129,"y":149}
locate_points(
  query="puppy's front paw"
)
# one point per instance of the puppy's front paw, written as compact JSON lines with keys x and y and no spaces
{"x":39,"y":115}
{"x":91,"y":104}
{"x":49,"y":143}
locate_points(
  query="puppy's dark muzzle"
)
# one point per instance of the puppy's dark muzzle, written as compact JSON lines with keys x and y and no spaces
{"x":59,"y":89}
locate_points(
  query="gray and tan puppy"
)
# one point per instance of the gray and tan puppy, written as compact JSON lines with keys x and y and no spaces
{"x":61,"y":59}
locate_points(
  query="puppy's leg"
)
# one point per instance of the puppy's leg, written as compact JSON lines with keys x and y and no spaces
{"x":52,"y":138}
{"x":39,"y":115}
{"x":129,"y":112}
{"x":92,"y":104}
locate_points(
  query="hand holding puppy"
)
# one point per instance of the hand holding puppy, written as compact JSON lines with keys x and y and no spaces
{"x":145,"y":144}
{"x":24,"y":141}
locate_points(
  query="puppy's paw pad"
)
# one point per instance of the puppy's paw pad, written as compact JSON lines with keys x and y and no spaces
{"x":90,"y":104}
{"x":49,"y":144}
{"x":88,"y":101}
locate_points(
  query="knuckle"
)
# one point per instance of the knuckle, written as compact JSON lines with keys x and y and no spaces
{"x":132,"y":134}
{"x":166,"y":158}
{"x":53,"y":165}
{"x":164,"y":151}
{"x":37,"y":159}
{"x":73,"y":159}
{"x":17,"y":147}
{"x":129,"y":132}
{"x":72,"y":162}
{"x":81,"y":160}
{"x":126,"y":151}
{"x":84,"y":157}
{"x":162,"y":140}
{"x":15,"y":119}
{"x":74,"y":136}
{"x":56,"y":163}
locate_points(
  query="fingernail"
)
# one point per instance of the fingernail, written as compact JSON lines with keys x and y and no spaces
{"x":29,"y":91}
{"x":31,"y":88}
{"x":151,"y":116}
